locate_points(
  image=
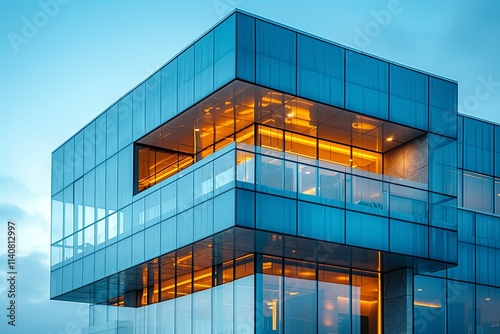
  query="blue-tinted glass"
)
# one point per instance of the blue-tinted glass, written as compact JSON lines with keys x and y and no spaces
{"x":57,"y":170}
{"x":460,"y":138}
{"x":478,"y":146}
{"x":111,"y":259}
{"x":269,"y":304}
{"x":224,"y":172}
{"x":203,"y":220}
{"x":138,"y":215}
{"x":69,"y":161}
{"x":78,"y":204}
{"x":224,"y":206}
{"x":185,"y":67}
{"x":461,"y":306}
{"x":276,"y":57}
{"x":487,"y":306}
{"x":487,"y":230}
{"x":88,"y":273}
{"x":169,"y":91}
{"x":276,"y":214}
{"x":443,"y":107}
{"x":331,"y":187}
{"x":366,"y":195}
{"x":99,"y":264}
{"x":203,"y":183}
{"x":300,"y":306}
{"x":442,"y":165}
{"x":245,"y":210}
{"x":125,"y":121}
{"x":138,"y":248}
{"x":222,"y":308}
{"x":125,"y":222}
{"x":153,"y":92}
{"x":125,"y":251}
{"x":89,"y":197}
{"x":366,"y":85}
{"x":168,"y":200}
{"x":276,"y":176}
{"x":245,"y":43}
{"x":497,"y":151}
{"x":244,"y":305}
{"x":183,"y":314}
{"x":67,"y":279}
{"x":367,"y":231}
{"x":68,"y":211}
{"x":496,"y":195}
{"x":429,"y":305}
{"x":168,"y":234}
{"x":224,"y":51}
{"x":152,"y":209}
{"x":89,"y":147}
{"x":321,"y":222}
{"x":125,"y":176}
{"x":204,"y":66}
{"x":443,"y":211}
{"x":443,"y":245}
{"x":478,"y":192}
{"x":153,"y":241}
{"x":112,"y":184}
{"x":466,"y":226}
{"x":77,"y":273}
{"x":111,"y":130}
{"x":100,"y":191}
{"x":320,"y":71}
{"x":185,"y":228}
{"x":100,"y":139}
{"x":185,"y":192}
{"x":407,"y":238}
{"x":409,"y":97}
{"x":487,"y":265}
{"x":57,"y":212}
{"x":89,"y":239}
{"x":466,"y":259}
{"x":202,"y":312}
{"x":139,"y":111}
{"x":78,"y":155}
{"x":408,"y":204}
{"x":55,"y":282}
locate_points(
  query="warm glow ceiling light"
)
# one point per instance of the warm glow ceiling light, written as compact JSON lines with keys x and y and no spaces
{"x":487,"y":298}
{"x":363,"y":126}
{"x":429,"y":305}
{"x":389,"y":139}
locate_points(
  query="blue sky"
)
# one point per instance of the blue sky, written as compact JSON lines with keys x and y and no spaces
{"x":62,"y":62}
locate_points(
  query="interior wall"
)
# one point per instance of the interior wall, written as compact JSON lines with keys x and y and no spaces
{"x":408,"y":161}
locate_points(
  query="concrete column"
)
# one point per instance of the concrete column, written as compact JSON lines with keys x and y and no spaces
{"x":398,"y":301}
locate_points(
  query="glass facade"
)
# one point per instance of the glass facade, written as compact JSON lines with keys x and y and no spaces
{"x":267,"y":181}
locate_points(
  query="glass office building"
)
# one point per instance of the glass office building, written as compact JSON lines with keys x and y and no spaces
{"x":268,"y":181}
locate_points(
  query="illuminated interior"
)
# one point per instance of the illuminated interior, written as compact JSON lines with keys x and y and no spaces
{"x":258,"y":116}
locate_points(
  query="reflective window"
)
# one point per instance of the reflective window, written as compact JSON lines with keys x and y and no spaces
{"x":224,"y":51}
{"x":269,"y":303}
{"x":320,"y":222}
{"x":204,"y":66}
{"x":487,"y":306}
{"x":169,"y":91}
{"x":443,"y":245}
{"x":442,"y":164}
{"x":443,"y":107}
{"x":185,"y":68}
{"x":125,"y":121}
{"x":477,"y":192}
{"x":125,"y":176}
{"x":429,"y":305}
{"x":68,"y":211}
{"x":276,"y":214}
{"x":100,"y":138}
{"x":89,"y":197}
{"x":478,"y":146}
{"x":409,"y":97}
{"x":57,"y":170}
{"x":367,"y":195}
{"x":300,"y":313}
{"x":408,"y":204}
{"x":320,"y":71}
{"x":78,"y":155}
{"x":366,"y":85}
{"x":153,"y":95}
{"x":57,"y":218}
{"x":139,"y":111}
{"x":276,"y":57}
{"x":69,"y":161}
{"x":88,"y":147}
{"x":365,"y":290}
{"x":224,"y":211}
{"x":112,"y":184}
{"x":111,"y":130}
{"x":443,"y":211}
{"x":367,"y":230}
{"x":408,"y":238}
{"x":245,"y":66}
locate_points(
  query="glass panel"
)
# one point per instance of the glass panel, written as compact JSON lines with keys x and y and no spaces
{"x":89,"y":197}
{"x":443,"y":245}
{"x":78,"y":204}
{"x":111,"y":130}
{"x":125,"y":176}
{"x":78,"y":155}
{"x":138,"y":248}
{"x":367,"y":195}
{"x":100,"y":139}
{"x":185,"y":228}
{"x":487,"y":306}
{"x":203,"y":183}
{"x":331,"y":187}
{"x":57,"y":219}
{"x":276,"y":57}
{"x":224,"y":51}
{"x":334,"y":315}
{"x":320,"y":72}
{"x":276,"y":214}
{"x":57,"y":170}
{"x":112,"y":184}
{"x":89,"y":240}
{"x":406,"y":238}
{"x":303,"y":146}
{"x":185,"y":92}
{"x":202,"y":312}
{"x":168,"y":234}
{"x":185,"y":192}
{"x":169,"y":91}
{"x":222,"y":308}
{"x":152,"y":247}
{"x":224,"y":172}
{"x":367,"y":230}
{"x":125,"y":121}
{"x":429,"y":305}
{"x":366,"y":85}
{"x":409,"y":97}
{"x":365,"y":299}
{"x":139,"y":111}
{"x":224,"y":211}
{"x":69,"y":162}
{"x":245,"y":169}
{"x":478,"y":146}
{"x":336,"y":153}
{"x":89,"y":147}
{"x":204,"y":220}
{"x":366,"y":161}
{"x":408,"y":204}
{"x":478,"y":192}
{"x":465,"y":271}
{"x":269,"y":304}
{"x":246,"y":47}
{"x":169,"y":200}
{"x":204,"y":66}
{"x":443,"y":211}
{"x":442,"y":165}
{"x":68,"y":211}
{"x":153,"y":92}
{"x":300,"y":316}
{"x":183,"y":314}
{"x":443,"y":107}
{"x":321,"y":222}
{"x":487,"y":230}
